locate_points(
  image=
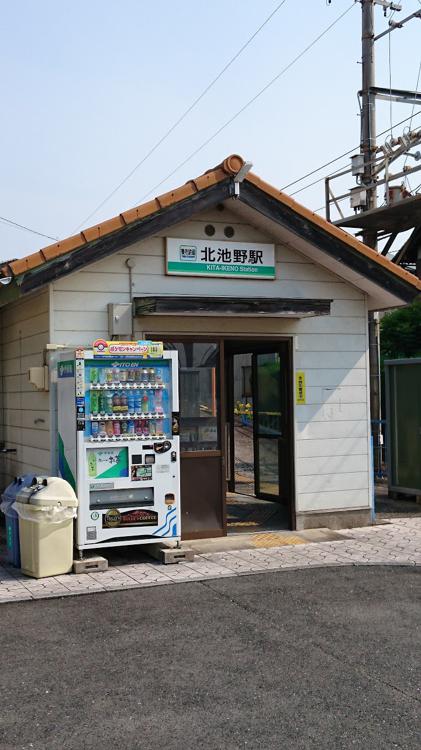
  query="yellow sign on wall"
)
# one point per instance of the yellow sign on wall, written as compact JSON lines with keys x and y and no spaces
{"x":300,"y":387}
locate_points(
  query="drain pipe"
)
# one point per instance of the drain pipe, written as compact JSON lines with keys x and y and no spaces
{"x":131,"y":263}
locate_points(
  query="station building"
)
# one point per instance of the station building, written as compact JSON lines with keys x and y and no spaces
{"x":267,"y":305}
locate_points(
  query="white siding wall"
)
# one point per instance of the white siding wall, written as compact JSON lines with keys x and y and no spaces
{"x":332,"y":470}
{"x":26,"y":411}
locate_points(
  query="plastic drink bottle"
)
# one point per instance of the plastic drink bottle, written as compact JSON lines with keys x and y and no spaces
{"x":158,"y":401}
{"x":159,"y":427}
{"x":101,"y":375}
{"x":109,"y":429}
{"x":158,"y":377}
{"x":152,"y":428}
{"x":130,"y":376}
{"x":131,"y":427}
{"x":138,"y":375}
{"x":123,"y":402}
{"x":137,"y":402}
{"x":145,"y":427}
{"x":116,"y":402}
{"x":102,"y":431}
{"x":94,"y":429}
{"x":124,"y":428}
{"x":131,"y":402}
{"x":145,"y":375}
{"x":102,"y":403}
{"x":109,"y":376}
{"x":151,"y":401}
{"x":116,"y":429}
{"x":123,"y":376}
{"x":138,"y":427}
{"x":152,"y":376}
{"x":145,"y":403}
{"x":109,"y":402}
{"x":94,"y":403}
{"x":94,"y":375}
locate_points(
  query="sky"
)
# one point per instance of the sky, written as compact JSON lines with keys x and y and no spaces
{"x":90,"y":86}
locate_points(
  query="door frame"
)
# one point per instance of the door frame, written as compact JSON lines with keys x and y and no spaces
{"x":263,"y":345}
{"x":264,"y":341}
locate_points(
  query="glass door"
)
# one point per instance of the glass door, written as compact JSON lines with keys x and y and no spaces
{"x":202,"y":455}
{"x":270,"y":433}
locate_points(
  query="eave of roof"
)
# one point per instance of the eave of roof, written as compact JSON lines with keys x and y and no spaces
{"x":224,"y":171}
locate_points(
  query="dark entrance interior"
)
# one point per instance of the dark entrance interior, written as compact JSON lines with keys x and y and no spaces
{"x":257,"y":436}
{"x":236,"y":436}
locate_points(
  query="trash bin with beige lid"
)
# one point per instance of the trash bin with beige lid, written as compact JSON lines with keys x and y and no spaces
{"x":46,"y":510}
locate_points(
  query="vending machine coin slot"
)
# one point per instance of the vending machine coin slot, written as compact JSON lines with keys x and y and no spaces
{"x":162,"y":447}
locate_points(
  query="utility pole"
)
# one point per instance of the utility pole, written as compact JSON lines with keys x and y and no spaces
{"x":368,"y":110}
{"x":366,"y":167}
{"x":368,"y":146}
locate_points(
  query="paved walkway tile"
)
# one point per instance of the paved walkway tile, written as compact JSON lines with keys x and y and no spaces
{"x":397,"y":543}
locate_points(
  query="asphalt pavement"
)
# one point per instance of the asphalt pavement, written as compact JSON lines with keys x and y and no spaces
{"x":317,"y":658}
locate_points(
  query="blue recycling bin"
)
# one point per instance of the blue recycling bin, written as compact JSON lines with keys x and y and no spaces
{"x":12,"y":520}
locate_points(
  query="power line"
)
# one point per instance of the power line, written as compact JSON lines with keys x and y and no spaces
{"x":248,"y":104}
{"x":183,"y":116}
{"x":320,"y":179}
{"x":27,"y":229}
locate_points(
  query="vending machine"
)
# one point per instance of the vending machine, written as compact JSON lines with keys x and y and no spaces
{"x":118,"y":441}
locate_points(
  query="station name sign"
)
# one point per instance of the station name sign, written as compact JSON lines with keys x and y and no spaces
{"x":239,"y":260}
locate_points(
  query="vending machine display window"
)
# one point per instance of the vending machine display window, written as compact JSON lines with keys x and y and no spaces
{"x":125,"y":401}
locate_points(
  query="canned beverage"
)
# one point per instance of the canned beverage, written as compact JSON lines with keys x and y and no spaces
{"x":93,"y":377}
{"x":152,"y":376}
{"x":130,"y":376}
{"x":101,"y":375}
{"x":123,"y":376}
{"x":158,"y":376}
{"x":94,"y":403}
{"x":145,"y":375}
{"x":102,"y":430}
{"x":109,"y":376}
{"x":116,"y":429}
{"x":109,"y":429}
{"x":137,"y":375}
{"x":94,"y":429}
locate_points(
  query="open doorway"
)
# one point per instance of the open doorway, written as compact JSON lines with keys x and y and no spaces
{"x":258,"y":436}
